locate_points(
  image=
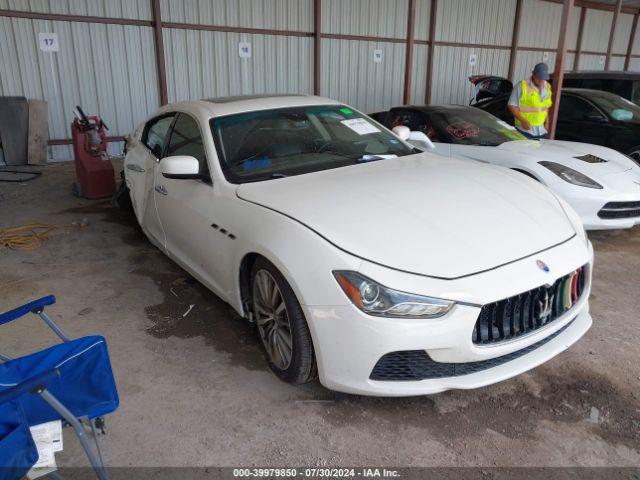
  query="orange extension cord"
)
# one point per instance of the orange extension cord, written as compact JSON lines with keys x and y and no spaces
{"x":26,"y":237}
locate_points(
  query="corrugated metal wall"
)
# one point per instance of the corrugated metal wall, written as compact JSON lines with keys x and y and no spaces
{"x":103,"y":68}
{"x":111,"y":68}
{"x":623,"y":31}
{"x":485,"y":22}
{"x":382,"y":18}
{"x":272,"y":14}
{"x":423,"y":14}
{"x":451,"y":70}
{"x":350,"y":75}
{"x":597,"y":28}
{"x":348,"y":65}
{"x":205,"y":64}
{"x":419,"y":74}
{"x":541,"y":24}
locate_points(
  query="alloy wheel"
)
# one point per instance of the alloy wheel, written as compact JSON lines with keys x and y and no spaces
{"x":272,"y":319}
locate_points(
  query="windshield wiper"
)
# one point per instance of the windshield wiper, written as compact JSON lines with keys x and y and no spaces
{"x":375,"y":158}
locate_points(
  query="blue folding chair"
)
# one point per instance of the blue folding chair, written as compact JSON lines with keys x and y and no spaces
{"x":17,"y":451}
{"x":71,"y":381}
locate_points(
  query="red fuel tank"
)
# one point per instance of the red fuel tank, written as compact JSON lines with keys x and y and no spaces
{"x":95,"y":177}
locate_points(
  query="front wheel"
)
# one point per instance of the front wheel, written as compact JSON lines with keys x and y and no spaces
{"x":281,"y":324}
{"x":634,"y":153}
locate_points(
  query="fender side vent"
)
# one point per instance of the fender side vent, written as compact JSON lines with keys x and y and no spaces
{"x":591,"y":159}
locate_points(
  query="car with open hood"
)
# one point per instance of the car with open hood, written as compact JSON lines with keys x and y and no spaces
{"x":379,"y":268}
{"x":602,"y":185}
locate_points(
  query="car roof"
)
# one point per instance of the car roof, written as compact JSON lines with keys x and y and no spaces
{"x":619,"y":75}
{"x":440,"y":108}
{"x":589,"y":92}
{"x":217,"y":107}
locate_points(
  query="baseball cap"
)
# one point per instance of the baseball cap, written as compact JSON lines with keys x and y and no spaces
{"x":541,"y":70}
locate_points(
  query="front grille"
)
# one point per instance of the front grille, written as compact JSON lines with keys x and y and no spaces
{"x":529,"y":311}
{"x":620,"y":210}
{"x":415,"y":365}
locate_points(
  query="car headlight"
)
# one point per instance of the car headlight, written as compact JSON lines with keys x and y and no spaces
{"x":375,"y":299}
{"x":570,"y":175}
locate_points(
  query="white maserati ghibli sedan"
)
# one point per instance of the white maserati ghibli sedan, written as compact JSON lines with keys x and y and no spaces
{"x":380,"y":269}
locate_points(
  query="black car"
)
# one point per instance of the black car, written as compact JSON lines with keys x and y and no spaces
{"x":589,"y":116}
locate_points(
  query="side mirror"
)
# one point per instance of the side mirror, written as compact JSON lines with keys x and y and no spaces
{"x":402,"y":132}
{"x":420,"y":140}
{"x":180,"y":167}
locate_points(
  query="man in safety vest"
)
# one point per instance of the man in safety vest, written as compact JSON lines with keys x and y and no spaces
{"x":530,"y":102}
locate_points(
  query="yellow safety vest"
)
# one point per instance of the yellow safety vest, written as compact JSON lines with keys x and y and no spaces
{"x":531,"y":106}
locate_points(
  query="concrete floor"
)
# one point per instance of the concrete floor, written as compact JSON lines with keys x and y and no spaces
{"x":196,"y":391}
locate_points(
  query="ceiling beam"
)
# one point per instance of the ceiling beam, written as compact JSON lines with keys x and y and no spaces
{"x":432,"y":44}
{"x":632,"y":36}
{"x":561,"y":56}
{"x":576,"y":58}
{"x":514,"y":39}
{"x":408,"y":64}
{"x":317,"y":38}
{"x":612,"y":34}
{"x":159,"y":43}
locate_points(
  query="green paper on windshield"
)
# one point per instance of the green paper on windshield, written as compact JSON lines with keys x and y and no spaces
{"x":346,"y":111}
{"x":512,"y":133}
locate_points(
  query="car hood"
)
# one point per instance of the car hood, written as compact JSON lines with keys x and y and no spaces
{"x":423,"y":214}
{"x":565,"y":153}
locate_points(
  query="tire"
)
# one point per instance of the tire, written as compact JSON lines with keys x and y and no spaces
{"x":278,"y":314}
{"x":634,"y":153}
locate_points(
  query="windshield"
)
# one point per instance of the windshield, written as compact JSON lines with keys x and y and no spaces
{"x":269,"y":144}
{"x":616,"y":107}
{"x":470,"y":126}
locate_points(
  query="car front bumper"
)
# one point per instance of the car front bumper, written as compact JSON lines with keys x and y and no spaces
{"x":349,"y":343}
{"x":588,"y":202}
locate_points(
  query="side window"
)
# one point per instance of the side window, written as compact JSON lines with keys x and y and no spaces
{"x":594,"y":84}
{"x":571,"y":82}
{"x":575,"y":109}
{"x":155,"y":134}
{"x":186,"y":140}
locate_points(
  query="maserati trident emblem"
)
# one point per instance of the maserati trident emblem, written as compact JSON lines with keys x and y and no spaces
{"x":545,"y":308}
{"x":542,"y":266}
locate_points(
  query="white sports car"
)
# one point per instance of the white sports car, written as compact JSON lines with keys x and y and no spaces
{"x":602,"y":185}
{"x":383,"y":270}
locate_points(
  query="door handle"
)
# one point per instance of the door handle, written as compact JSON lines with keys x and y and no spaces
{"x":161,"y":189}
{"x":135,"y":168}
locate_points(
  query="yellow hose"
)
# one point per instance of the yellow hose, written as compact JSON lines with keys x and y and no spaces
{"x":26,"y":237}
